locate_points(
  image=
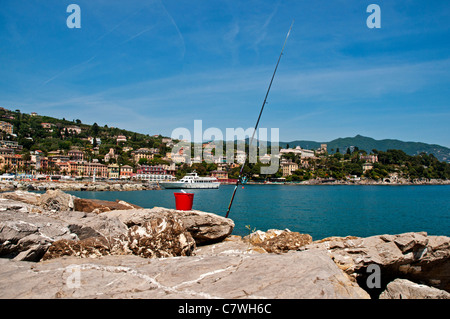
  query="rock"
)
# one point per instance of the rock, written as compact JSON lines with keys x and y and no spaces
{"x":23,"y":196}
{"x":232,"y":245}
{"x":414,"y":256}
{"x":278,"y":241}
{"x":204,"y":227}
{"x":405,"y":289}
{"x":100,"y":206}
{"x":93,"y":225}
{"x":56,"y":201}
{"x":25,"y":236}
{"x":285,"y":242}
{"x":160,"y":237}
{"x":13,"y":205}
{"x":92,"y":247}
{"x":257,"y":237}
{"x":307,"y":274}
{"x":89,"y":247}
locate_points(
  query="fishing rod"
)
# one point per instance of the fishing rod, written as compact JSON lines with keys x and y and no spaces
{"x":257,"y":122}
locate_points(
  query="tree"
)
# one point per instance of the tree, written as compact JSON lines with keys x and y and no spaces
{"x":143,"y":161}
{"x":95,"y":129}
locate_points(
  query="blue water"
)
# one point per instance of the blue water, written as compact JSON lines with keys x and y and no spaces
{"x":321,"y":211}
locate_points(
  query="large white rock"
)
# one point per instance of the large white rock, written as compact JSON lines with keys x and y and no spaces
{"x":204,"y":227}
{"x":293,"y":275}
{"x":405,"y":289}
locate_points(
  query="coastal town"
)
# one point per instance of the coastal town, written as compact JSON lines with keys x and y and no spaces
{"x":34,"y":147}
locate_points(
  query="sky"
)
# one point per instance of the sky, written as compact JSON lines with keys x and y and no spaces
{"x":154,"y":66}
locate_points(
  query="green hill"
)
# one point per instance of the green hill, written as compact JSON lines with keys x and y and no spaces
{"x":38,"y":132}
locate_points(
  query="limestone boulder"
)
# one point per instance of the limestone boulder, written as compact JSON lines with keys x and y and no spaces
{"x":56,"y":201}
{"x":89,"y":247}
{"x":100,"y":206}
{"x":205,"y":228}
{"x":86,"y":225}
{"x":295,"y":275}
{"x":160,"y":237}
{"x":25,"y":236}
{"x":405,"y":289}
{"x":414,"y":256}
{"x":23,"y":196}
{"x":278,"y":241}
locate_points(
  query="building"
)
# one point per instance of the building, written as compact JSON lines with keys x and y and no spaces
{"x":6,"y":127}
{"x":288,"y":167}
{"x":142,"y":153}
{"x":153,"y":177}
{"x":63,"y":167}
{"x":126,"y":171}
{"x":152,"y":173}
{"x":220,"y":175}
{"x":47,"y":126}
{"x":97,"y":140}
{"x":369,"y":158}
{"x":73,"y":129}
{"x":170,"y":169}
{"x":11,"y":162}
{"x":10,"y":144}
{"x":110,"y":155}
{"x":6,"y":151}
{"x":97,"y":169}
{"x":240,"y":157}
{"x":151,"y":169}
{"x":307,"y":153}
{"x":76,"y":155}
{"x":179,"y":159}
{"x":113,"y":171}
{"x":265,"y":159}
{"x":121,"y":138}
{"x":367,"y":167}
{"x":86,"y":169}
{"x":298,"y":151}
{"x":322,"y":149}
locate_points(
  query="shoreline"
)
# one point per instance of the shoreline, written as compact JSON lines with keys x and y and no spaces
{"x":100,"y":186}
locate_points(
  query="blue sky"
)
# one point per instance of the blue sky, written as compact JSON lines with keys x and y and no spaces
{"x":153,"y":66}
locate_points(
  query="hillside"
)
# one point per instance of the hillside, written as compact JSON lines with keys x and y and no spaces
{"x":48,"y":134}
{"x":368,"y":144}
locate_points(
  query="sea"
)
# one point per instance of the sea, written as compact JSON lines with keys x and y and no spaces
{"x":318,"y":210}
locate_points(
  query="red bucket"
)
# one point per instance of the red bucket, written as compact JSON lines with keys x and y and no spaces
{"x":183,"y":201}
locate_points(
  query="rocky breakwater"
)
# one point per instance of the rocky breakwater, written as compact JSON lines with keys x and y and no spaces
{"x":98,"y":186}
{"x":55,"y":245}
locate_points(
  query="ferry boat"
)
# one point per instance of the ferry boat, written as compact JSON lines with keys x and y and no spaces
{"x":192,"y":180}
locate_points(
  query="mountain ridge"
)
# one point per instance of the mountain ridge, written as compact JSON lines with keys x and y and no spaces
{"x":368,"y":144}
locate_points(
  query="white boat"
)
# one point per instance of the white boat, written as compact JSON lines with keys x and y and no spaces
{"x":192,"y":180}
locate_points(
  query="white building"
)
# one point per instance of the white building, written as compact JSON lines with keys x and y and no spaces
{"x":297,"y":151}
{"x":240,"y":156}
{"x":153,"y":177}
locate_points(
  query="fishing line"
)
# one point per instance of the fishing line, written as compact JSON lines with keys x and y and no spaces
{"x":257,"y":122}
